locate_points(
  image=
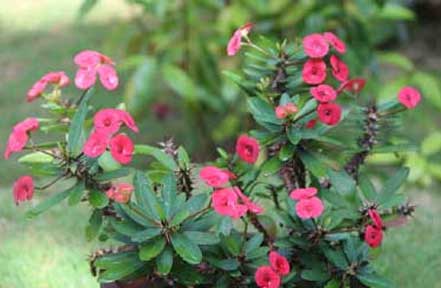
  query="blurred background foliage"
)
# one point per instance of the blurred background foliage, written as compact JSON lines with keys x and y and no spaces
{"x":171,"y":55}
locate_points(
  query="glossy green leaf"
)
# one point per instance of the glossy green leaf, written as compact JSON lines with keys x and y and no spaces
{"x":98,"y":199}
{"x":186,"y":249}
{"x":151,"y":249}
{"x":50,"y":202}
{"x":202,"y":238}
{"x":76,"y":193}
{"x":146,"y":198}
{"x":164,"y":261}
{"x":158,"y":154}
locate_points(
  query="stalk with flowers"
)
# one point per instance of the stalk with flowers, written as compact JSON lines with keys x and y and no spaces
{"x":292,"y":206}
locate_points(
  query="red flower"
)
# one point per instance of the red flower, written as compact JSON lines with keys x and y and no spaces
{"x":323,"y":93}
{"x":373,"y":236}
{"x":314,"y":71}
{"x":23,"y":189}
{"x":311,"y":123}
{"x":247,"y":148}
{"x":236,"y":40}
{"x":409,"y":97}
{"x":335,"y":42}
{"x":376,"y":218}
{"x":120,"y":192}
{"x":128,"y":120}
{"x":339,"y":69}
{"x":214,"y":176}
{"x":315,"y":46}
{"x":309,"y":208}
{"x":91,"y":63}
{"x":20,"y":135}
{"x":329,"y":113}
{"x":96,"y":144}
{"x":225,"y":202}
{"x":251,"y":206}
{"x":279,"y":263}
{"x":303,"y":193}
{"x":266,"y":278}
{"x":121,"y":148}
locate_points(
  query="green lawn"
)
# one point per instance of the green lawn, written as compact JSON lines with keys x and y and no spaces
{"x":50,"y":251}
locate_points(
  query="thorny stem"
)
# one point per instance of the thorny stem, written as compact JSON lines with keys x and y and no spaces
{"x":51,"y":183}
{"x":256,"y":223}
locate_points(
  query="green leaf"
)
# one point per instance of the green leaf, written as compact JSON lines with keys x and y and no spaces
{"x":183,"y":158}
{"x":158,"y":154}
{"x":35,"y":157}
{"x":146,"y":198}
{"x":151,"y":249}
{"x":315,"y":275}
{"x":341,"y":181}
{"x":77,"y":193}
{"x":262,"y":111}
{"x":180,"y":82}
{"x":429,"y":85}
{"x":169,"y":194}
{"x":202,"y":238}
{"x":432,"y":144}
{"x":145,"y":235}
{"x":107,"y":176}
{"x":164,"y":261}
{"x":75,"y":137}
{"x":367,"y":188}
{"x":337,"y":257}
{"x":196,"y":203}
{"x":49,"y":202}
{"x":375,"y":281}
{"x":107,"y":162}
{"x":94,"y":226}
{"x":393,"y":184}
{"x":224,"y":264}
{"x":135,"y":213}
{"x":313,"y":164}
{"x":392,"y":11}
{"x":125,"y":227}
{"x":86,"y":7}
{"x":186,"y":249}
{"x":98,"y":199}
{"x":179,"y":218}
{"x":253,"y":243}
{"x":117,"y":268}
{"x":396,"y":59}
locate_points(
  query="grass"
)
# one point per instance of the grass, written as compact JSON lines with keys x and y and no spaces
{"x":50,"y":251}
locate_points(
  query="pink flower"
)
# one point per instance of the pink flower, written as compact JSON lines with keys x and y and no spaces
{"x":279,"y":263}
{"x":58,"y":78}
{"x":409,"y":97}
{"x":247,"y":148}
{"x":311,"y":123}
{"x":309,"y":208}
{"x":251,"y":206}
{"x":329,"y":113}
{"x":265,"y":277}
{"x":376,"y":218}
{"x":120,"y":192}
{"x":109,"y":120}
{"x":373,"y":236}
{"x":236,"y":40}
{"x":339,"y":69}
{"x":91,"y":63}
{"x":281,"y":113}
{"x":20,"y":135}
{"x":315,"y":46}
{"x":225,"y":202}
{"x":121,"y":148}
{"x":354,"y":85}
{"x":85,"y":78}
{"x":214,"y":176}
{"x":23,"y":189}
{"x":303,"y":193}
{"x":96,"y":144}
{"x":36,"y":90}
{"x":323,"y":93}
{"x":335,"y":42}
{"x":314,"y":71}
{"x":108,"y":77}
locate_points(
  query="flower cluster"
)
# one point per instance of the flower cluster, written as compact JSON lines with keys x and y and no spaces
{"x":107,"y":122}
{"x":120,"y":192}
{"x":270,"y":276}
{"x":247,"y":148}
{"x":236,"y":40}
{"x":308,"y":204}
{"x":20,"y":135}
{"x":283,"y":111}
